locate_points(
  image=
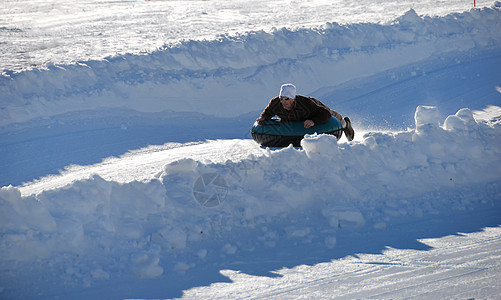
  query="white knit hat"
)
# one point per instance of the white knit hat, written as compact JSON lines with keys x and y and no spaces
{"x":288,"y":90}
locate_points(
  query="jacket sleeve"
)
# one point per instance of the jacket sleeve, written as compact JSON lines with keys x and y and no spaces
{"x":321,"y":116}
{"x":320,"y":113}
{"x":268,"y":112}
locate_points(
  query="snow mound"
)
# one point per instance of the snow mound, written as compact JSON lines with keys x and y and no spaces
{"x":212,"y":75}
{"x":92,"y":228}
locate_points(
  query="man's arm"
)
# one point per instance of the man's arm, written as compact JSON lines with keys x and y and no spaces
{"x":269,"y":111}
{"x":319,"y":112}
{"x":321,"y":116}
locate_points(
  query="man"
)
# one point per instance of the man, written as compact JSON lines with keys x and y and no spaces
{"x":291,"y":107}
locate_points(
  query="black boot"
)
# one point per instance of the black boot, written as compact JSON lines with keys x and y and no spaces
{"x":348,"y":130}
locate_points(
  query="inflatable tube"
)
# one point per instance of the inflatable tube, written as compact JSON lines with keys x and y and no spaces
{"x":274,"y":133}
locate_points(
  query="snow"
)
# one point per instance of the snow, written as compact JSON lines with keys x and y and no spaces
{"x":133,"y":175}
{"x":37,"y":33}
{"x":395,"y":273}
{"x":227,"y":69}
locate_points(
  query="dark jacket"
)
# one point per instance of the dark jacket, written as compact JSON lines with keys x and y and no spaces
{"x":305,"y":108}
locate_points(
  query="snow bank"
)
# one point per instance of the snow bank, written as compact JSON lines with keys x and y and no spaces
{"x":233,"y":75}
{"x":93,"y":229}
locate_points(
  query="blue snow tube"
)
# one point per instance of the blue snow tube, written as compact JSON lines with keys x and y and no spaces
{"x":274,"y":133}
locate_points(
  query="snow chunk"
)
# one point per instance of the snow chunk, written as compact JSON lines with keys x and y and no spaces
{"x":410,"y":19}
{"x":229,"y":249}
{"x":17,"y":212}
{"x":462,"y":121}
{"x":341,"y":216}
{"x":427,"y":116}
{"x":182,"y":267}
{"x":100,"y":274}
{"x":10,"y":194}
{"x":322,"y":144}
{"x":146,"y":266}
{"x":184,"y":165}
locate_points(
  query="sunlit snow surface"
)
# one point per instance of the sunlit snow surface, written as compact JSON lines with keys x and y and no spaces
{"x":37,"y":32}
{"x":135,"y":176}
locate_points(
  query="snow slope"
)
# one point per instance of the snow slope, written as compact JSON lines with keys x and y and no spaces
{"x":196,"y":213}
{"x":95,"y":107}
{"x":300,"y":204}
{"x":38,"y":33}
{"x":375,"y":218}
{"x":241,"y":72}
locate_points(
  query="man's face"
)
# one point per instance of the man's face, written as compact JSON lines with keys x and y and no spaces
{"x":287,"y":103}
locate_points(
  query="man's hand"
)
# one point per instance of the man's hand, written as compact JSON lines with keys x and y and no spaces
{"x":308,"y":123}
